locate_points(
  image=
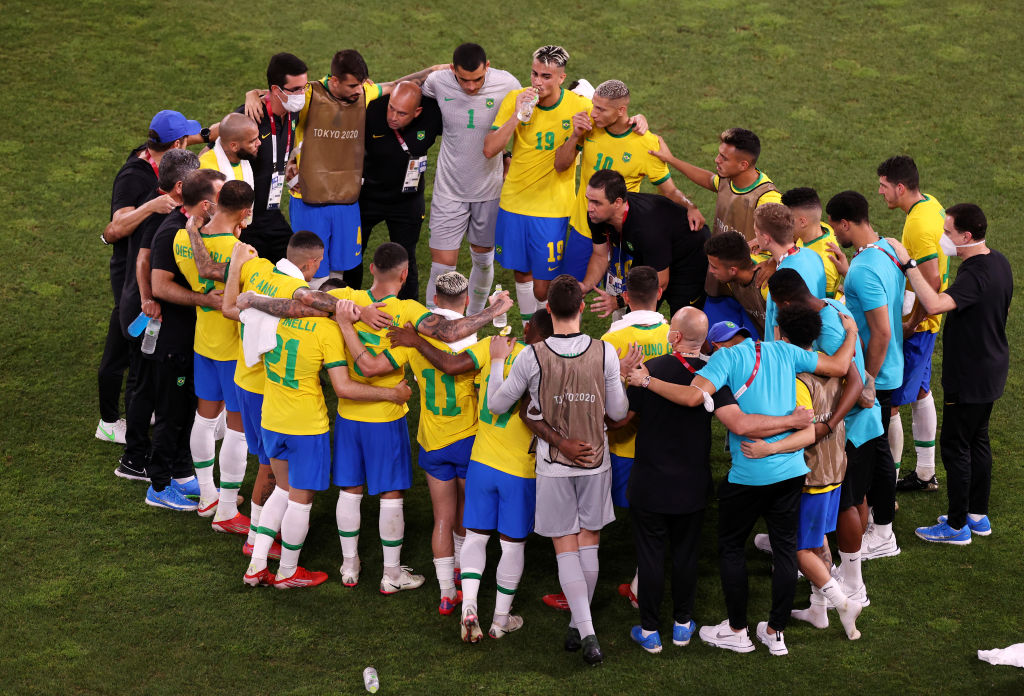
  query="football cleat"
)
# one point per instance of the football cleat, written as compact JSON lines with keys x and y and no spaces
{"x":556,"y":601}
{"x":469,"y":628}
{"x":300,"y":578}
{"x":448,"y":604}
{"x":514,"y":623}
{"x":405,"y":581}
{"x":239,"y":524}
{"x":259,"y":578}
{"x":274,"y":554}
{"x":626,"y":591}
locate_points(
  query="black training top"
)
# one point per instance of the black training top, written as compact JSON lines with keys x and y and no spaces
{"x":133,"y":187}
{"x":975,"y":352}
{"x":178,"y":330}
{"x":671,"y":470}
{"x":386,"y":162}
{"x":270,"y":222}
{"x":142,"y":238}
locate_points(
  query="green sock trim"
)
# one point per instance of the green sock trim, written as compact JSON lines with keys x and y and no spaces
{"x":470,"y":576}
{"x":266,"y":531}
{"x":254,"y":528}
{"x":505,"y":590}
{"x":203,"y":465}
{"x":924,"y":443}
{"x":230,"y":485}
{"x":391,"y":542}
{"x":290,"y":547}
{"x":526,"y":317}
{"x":342,"y":532}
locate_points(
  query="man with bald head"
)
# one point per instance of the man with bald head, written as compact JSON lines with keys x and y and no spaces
{"x":233,"y":152}
{"x":400,"y":129}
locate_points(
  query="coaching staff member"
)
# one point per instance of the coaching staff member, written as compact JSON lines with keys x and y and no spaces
{"x":975,"y":361}
{"x":646,"y":230}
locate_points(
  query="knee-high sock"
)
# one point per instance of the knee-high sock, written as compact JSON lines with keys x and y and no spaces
{"x":204,"y":449}
{"x":458,"y":541}
{"x":255,"y":511}
{"x":480,"y":279}
{"x":347,"y":515}
{"x":436,"y":269}
{"x":923,"y":426}
{"x":294,"y":526}
{"x":896,"y":438}
{"x":445,"y":569}
{"x":233,"y":452}
{"x":507,"y":575}
{"x":527,"y":302}
{"x":574,"y":587}
{"x":270,"y":523}
{"x":590,"y":565}
{"x":392,"y":530}
{"x":474,"y":560}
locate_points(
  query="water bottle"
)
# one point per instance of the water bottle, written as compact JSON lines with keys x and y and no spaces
{"x":527,"y":110}
{"x":136,"y":328}
{"x":500,"y":321}
{"x":149,"y":339}
{"x":370,"y":680}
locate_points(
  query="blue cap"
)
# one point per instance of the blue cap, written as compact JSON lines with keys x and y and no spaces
{"x":724,"y":330}
{"x":171,"y":125}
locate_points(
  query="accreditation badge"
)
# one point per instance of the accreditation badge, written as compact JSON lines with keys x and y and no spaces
{"x":276,"y":191}
{"x":413,"y":174}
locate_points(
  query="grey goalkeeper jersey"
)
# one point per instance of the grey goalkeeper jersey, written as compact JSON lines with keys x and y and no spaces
{"x":463,"y":173}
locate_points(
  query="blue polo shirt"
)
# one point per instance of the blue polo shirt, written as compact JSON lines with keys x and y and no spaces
{"x":772,"y":393}
{"x":875,"y":280}
{"x":810,"y":267}
{"x":862,"y":424}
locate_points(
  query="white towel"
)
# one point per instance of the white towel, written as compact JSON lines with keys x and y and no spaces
{"x":259,"y":336}
{"x":1013,"y":655}
{"x":463,"y":343}
{"x":289,"y":269}
{"x":641,"y":317}
{"x":224,"y":165}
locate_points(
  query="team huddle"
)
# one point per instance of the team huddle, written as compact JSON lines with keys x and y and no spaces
{"x":231,"y":319}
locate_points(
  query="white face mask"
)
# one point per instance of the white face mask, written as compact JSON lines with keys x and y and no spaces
{"x":949,"y":248}
{"x":293,"y":102}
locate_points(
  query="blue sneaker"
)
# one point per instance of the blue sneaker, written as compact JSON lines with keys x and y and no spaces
{"x":682,"y":633}
{"x":190,"y":489}
{"x":982,"y":527}
{"x":169,"y":498}
{"x":944,"y":534}
{"x":651,"y":643}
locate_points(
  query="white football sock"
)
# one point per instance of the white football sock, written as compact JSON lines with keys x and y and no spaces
{"x":474,"y":560}
{"x":436,"y":269}
{"x":817,"y":613}
{"x":270,"y":524}
{"x":480,"y":279}
{"x":347,"y":515}
{"x":204,"y":449}
{"x":294,"y":526}
{"x":445,"y":569}
{"x":574,"y":587}
{"x":507,"y":575}
{"x":590,"y":566}
{"x":850,"y":570}
{"x":185,"y":479}
{"x":923,"y":427}
{"x":458,"y":540}
{"x":527,"y":302}
{"x":896,"y":438}
{"x":233,"y":452}
{"x":392,"y":530}
{"x":254,"y":522}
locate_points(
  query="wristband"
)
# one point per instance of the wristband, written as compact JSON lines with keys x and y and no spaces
{"x":103,"y":238}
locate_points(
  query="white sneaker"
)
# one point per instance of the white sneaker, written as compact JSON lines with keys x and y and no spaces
{"x":761,"y":543}
{"x":775,"y":641}
{"x":405,"y":581}
{"x":874,"y":546}
{"x":208,"y":506}
{"x":111,"y":432}
{"x":222,"y":425}
{"x":722,"y":636}
{"x":514,"y":623}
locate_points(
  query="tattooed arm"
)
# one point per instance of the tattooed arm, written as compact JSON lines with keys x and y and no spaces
{"x":201,"y":255}
{"x":449,"y":330}
{"x":276,"y":306}
{"x":450,"y":364}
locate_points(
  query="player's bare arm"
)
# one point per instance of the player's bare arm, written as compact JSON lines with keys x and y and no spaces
{"x":701,"y":177}
{"x":496,"y":140}
{"x":934,"y":302}
{"x":449,"y":330}
{"x":449,"y":363}
{"x":165,"y":288}
{"x":565,"y":155}
{"x":346,"y":313}
{"x":683,"y":394}
{"x":596,"y":267}
{"x":347,"y":388}
{"x":577,"y":451}
{"x":241,"y":253}
{"x":838,"y":364}
{"x":277,"y":306}
{"x":668,"y":189}
{"x":371,"y":315}
{"x":416,"y":78}
{"x":150,"y":307}
{"x":201,"y":255}
{"x":756,"y":449}
{"x":757,"y":425}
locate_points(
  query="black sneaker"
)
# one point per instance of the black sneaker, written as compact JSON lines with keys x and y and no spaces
{"x":911,"y":482}
{"x":572,"y":640}
{"x":592,"y":654}
{"x":127,"y":470}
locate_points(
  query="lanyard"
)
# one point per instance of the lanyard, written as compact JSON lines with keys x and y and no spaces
{"x":401,"y":141}
{"x":875,"y":246}
{"x":273,"y":136}
{"x":789,"y":253}
{"x":757,"y":366}
{"x":154,"y":165}
{"x":685,"y":362}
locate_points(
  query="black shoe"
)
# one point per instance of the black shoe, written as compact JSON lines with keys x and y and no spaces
{"x":572,"y":640}
{"x":911,"y":482}
{"x":592,"y":654}
{"x":127,"y":470}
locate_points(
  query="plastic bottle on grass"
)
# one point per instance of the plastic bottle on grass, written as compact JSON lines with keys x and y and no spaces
{"x":500,"y":321}
{"x":370,"y":680}
{"x":149,"y":339}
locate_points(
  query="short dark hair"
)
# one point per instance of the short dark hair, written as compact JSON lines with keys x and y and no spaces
{"x":469,"y":56}
{"x":175,"y":166}
{"x":775,"y":220}
{"x":332,"y":283}
{"x":304,"y":240}
{"x":900,"y":170}
{"x":744,"y":141}
{"x":967,"y":217}
{"x":564,"y":297}
{"x":541,"y":321}
{"x":800,"y":324}
{"x":235,"y":195}
{"x":848,"y":205}
{"x":610,"y":182}
{"x":349,"y":62}
{"x":281,"y":66}
{"x":390,"y":256}
{"x":198,"y":186}
{"x":803,"y":197}
{"x":786,"y":285}
{"x":154,"y":143}
{"x":731,"y":247}
{"x":642,"y":284}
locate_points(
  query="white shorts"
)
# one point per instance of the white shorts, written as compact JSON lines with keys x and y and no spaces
{"x":566,"y":504}
{"x":451,"y":220}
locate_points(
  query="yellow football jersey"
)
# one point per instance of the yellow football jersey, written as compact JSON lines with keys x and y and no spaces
{"x":653,"y":341}
{"x":447,"y":403}
{"x":627,"y":154}
{"x":921,"y":234}
{"x":819,"y":245}
{"x":216,"y":335}
{"x":208,"y":160}
{"x":532,"y":186}
{"x":377,"y":342}
{"x":260,"y":275}
{"x":503,"y":441}
{"x":293,"y":401}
